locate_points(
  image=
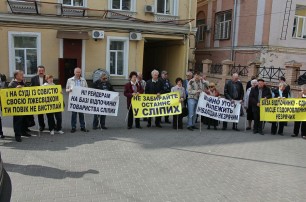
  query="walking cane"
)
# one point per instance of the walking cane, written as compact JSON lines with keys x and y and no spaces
{"x":200,"y":124}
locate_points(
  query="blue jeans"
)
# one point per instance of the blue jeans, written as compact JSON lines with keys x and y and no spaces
{"x":192,"y":106}
{"x":74,"y":119}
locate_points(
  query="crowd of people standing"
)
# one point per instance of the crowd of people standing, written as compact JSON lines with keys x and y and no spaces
{"x":189,"y":90}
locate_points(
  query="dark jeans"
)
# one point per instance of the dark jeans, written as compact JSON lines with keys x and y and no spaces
{"x":74,"y":119}
{"x":157,"y":120}
{"x":19,"y":125}
{"x":1,"y":131}
{"x":178,"y":121}
{"x":130,"y":119}
{"x":299,"y":126}
{"x":257,"y":122}
{"x":279,"y":125}
{"x":51,"y":121}
{"x":41,"y":120}
{"x":97,"y":119}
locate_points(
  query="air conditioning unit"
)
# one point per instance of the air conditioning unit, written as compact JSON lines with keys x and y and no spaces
{"x":97,"y":34}
{"x":134,"y":36}
{"x":149,"y":9}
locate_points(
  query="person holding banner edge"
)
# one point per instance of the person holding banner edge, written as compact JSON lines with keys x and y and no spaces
{"x":154,"y":86}
{"x":233,"y":90}
{"x":72,"y":82}
{"x":101,"y":84}
{"x":212,"y":91}
{"x":132,"y":88}
{"x":298,"y":125}
{"x":258,"y":92}
{"x":19,"y":122}
{"x":178,"y":119}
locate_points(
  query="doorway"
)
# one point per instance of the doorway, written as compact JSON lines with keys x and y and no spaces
{"x":72,"y":58}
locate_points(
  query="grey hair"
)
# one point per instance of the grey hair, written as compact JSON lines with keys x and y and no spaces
{"x":282,"y":84}
{"x":154,"y":71}
{"x":254,"y":81}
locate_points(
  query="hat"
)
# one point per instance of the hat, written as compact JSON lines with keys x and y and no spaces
{"x":261,"y":80}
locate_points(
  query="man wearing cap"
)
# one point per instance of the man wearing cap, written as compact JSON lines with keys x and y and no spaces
{"x":261,"y":91}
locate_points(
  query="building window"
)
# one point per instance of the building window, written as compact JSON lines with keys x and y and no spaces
{"x":167,"y":7}
{"x":201,"y":30}
{"x":117,"y":56}
{"x":124,"y":5}
{"x":74,"y":3}
{"x":24,"y":52}
{"x":223,"y":25}
{"x":299,"y":24}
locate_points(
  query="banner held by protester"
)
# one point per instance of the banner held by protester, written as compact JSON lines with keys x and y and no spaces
{"x":218,"y":108}
{"x":31,"y":100}
{"x":149,"y":105}
{"x":283,"y":109}
{"x":93,"y":101}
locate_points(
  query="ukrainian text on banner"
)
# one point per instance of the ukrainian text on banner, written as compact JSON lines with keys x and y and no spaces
{"x":283,"y":109}
{"x":218,"y":108}
{"x":31,"y":100}
{"x":147,"y":105}
{"x":93,"y":101}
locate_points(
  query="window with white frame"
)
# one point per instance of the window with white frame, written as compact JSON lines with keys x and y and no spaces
{"x":117,"y":56}
{"x":124,"y":5}
{"x":299,"y":23}
{"x":167,"y":7}
{"x":24,"y":52}
{"x":201,"y":30}
{"x":223,"y":25}
{"x":74,"y":3}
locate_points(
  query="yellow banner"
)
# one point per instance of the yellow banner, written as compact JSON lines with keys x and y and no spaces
{"x":147,"y":105}
{"x":283,"y":109}
{"x":31,"y":100}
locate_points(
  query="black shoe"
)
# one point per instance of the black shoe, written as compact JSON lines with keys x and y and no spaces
{"x":193,"y":127}
{"x":104,"y":128}
{"x":26,"y":135}
{"x":18,"y":139}
{"x":223,"y":128}
{"x":215,"y":128}
{"x":139,"y":127}
{"x":208,"y":127}
{"x":273,"y":133}
{"x":236,"y":129}
{"x":41,"y":128}
{"x":282,"y":134}
{"x":190,"y":128}
{"x":180,"y":127}
{"x":158,"y":126}
{"x":248,"y":128}
{"x":2,"y":136}
{"x":255,"y":131}
{"x":294,"y":135}
{"x":27,"y":130}
{"x":148,"y":125}
{"x":73,"y":130}
{"x":84,"y":130}
{"x":96,"y":128}
{"x":129,"y":127}
{"x":169,"y":122}
{"x":261,"y":133}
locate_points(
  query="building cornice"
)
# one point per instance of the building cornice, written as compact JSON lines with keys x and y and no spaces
{"x":94,"y":23}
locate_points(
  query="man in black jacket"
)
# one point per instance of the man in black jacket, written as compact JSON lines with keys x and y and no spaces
{"x":18,"y":121}
{"x":166,"y":88}
{"x":154,"y":86}
{"x":258,"y":92}
{"x":233,"y":90}
{"x":39,"y":80}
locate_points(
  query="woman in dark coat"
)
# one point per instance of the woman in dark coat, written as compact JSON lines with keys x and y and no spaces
{"x":131,"y":89}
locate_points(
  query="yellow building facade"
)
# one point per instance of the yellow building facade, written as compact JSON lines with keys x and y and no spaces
{"x":118,"y":36}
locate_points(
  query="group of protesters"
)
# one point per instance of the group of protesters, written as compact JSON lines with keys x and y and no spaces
{"x":189,"y":91}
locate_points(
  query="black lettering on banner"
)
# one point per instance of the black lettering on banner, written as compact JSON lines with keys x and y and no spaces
{"x":8,"y":110}
{"x":136,"y":98}
{"x":83,"y":92}
{"x":74,"y":98}
{"x":176,"y":109}
{"x":151,"y":111}
{"x":20,"y":109}
{"x":11,"y":94}
{"x":33,"y":108}
{"x":136,"y":110}
{"x":34,"y":92}
{"x":169,"y":110}
{"x":145,"y":112}
{"x":162,"y":110}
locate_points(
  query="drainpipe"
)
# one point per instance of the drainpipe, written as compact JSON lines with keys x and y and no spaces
{"x":188,"y":38}
{"x":234,"y":31}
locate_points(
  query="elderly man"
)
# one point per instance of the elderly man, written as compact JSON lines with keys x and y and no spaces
{"x":195,"y":87}
{"x":18,"y":121}
{"x":258,"y":92}
{"x":72,"y":82}
{"x":154,"y":86}
{"x":233,"y":90}
{"x":140,"y":80}
{"x":39,"y":80}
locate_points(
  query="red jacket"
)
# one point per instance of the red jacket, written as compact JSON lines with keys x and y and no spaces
{"x":128,"y":92}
